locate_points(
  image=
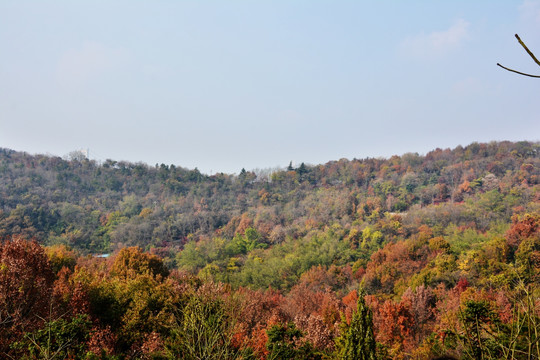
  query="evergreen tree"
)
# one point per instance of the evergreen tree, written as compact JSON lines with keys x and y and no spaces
{"x":357,"y":341}
{"x":290,"y":167}
{"x":302,"y":169}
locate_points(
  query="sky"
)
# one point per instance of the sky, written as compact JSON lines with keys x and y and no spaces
{"x":226,"y":85}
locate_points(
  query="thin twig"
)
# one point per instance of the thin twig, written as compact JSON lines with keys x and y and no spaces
{"x":518,"y":72}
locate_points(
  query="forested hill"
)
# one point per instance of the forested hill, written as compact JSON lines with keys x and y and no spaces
{"x":444,"y":247}
{"x":101,"y":207}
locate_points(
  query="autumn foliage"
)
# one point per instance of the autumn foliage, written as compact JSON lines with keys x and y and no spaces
{"x":127,"y":261}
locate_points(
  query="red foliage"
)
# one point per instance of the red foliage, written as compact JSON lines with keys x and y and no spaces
{"x":316,"y":313}
{"x":394,"y":323}
{"x":320,"y":278}
{"x":350,"y":300}
{"x":152,"y":344}
{"x":461,"y":285}
{"x":245,"y":222}
{"x":25,"y":288}
{"x":101,"y":339}
{"x":523,"y":227}
{"x":258,"y":342}
{"x":70,"y":294}
{"x":258,"y":310}
{"x":504,"y":307}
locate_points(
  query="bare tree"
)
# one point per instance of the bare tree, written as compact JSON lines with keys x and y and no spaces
{"x":530,"y":54}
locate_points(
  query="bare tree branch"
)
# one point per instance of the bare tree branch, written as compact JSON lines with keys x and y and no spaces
{"x":527,"y":50}
{"x":530,"y":54}
{"x":518,"y":72}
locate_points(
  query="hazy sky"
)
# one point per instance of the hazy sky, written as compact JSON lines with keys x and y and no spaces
{"x":222,"y":85}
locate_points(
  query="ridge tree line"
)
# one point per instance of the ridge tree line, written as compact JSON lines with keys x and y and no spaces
{"x":102,"y":207}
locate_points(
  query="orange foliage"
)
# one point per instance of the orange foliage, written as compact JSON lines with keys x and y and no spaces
{"x":396,"y":262}
{"x":394,"y":324}
{"x":258,"y":311}
{"x":523,"y":227}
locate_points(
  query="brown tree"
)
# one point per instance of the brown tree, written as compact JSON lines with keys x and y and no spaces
{"x":26,"y":282}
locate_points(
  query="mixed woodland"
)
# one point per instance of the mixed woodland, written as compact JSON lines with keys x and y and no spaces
{"x":408,"y":257}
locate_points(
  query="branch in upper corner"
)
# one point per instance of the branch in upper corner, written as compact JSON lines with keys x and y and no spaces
{"x":530,"y":54}
{"x":527,"y":50}
{"x":518,"y":72}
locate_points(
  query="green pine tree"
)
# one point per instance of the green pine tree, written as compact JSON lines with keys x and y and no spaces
{"x":290,"y":167}
{"x":356,"y":341}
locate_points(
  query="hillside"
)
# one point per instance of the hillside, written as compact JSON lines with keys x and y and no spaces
{"x":432,"y":239}
{"x":101,"y":207}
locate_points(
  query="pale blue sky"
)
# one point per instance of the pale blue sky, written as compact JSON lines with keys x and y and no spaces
{"x":222,"y":85}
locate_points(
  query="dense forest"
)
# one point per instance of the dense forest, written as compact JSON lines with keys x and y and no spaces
{"x":411,"y":257}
